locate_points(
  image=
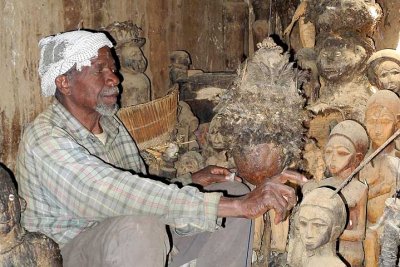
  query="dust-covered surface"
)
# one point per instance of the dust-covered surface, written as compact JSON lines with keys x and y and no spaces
{"x":265,"y":105}
{"x":342,"y":15}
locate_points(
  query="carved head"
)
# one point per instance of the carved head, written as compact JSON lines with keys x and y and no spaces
{"x":321,"y":219}
{"x":132,"y":57}
{"x":10,"y":207}
{"x":215,"y":136}
{"x":384,"y":70}
{"x":340,"y":58}
{"x":127,"y":36}
{"x":382,"y":116}
{"x":347,"y":145}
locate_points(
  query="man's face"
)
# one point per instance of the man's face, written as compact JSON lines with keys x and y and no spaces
{"x":388,"y":74}
{"x":94,"y":89}
{"x":315,"y":226}
{"x":380,"y":124}
{"x":339,"y":155}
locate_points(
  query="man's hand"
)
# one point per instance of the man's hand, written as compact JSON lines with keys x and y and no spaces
{"x":213,"y":174}
{"x":272,"y":194}
{"x":290,"y":176}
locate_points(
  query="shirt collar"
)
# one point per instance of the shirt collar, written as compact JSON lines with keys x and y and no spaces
{"x":110,"y":124}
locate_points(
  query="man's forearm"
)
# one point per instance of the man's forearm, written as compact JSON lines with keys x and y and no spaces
{"x":229,"y":207}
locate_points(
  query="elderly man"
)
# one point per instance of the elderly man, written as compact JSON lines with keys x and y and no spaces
{"x":86,"y":187}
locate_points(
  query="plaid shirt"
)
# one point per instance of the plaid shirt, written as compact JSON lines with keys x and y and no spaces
{"x":72,"y":181}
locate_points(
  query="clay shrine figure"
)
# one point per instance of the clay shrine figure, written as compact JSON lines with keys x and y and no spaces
{"x":267,"y":138}
{"x":19,"y":247}
{"x":135,"y":84}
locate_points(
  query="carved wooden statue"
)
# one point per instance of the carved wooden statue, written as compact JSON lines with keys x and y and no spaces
{"x":318,"y":222}
{"x":135,"y":84}
{"x":384,"y":70}
{"x":346,"y":148}
{"x":19,"y":247}
{"x":381,"y":120}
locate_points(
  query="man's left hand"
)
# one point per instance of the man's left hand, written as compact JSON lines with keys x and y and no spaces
{"x":213,"y":174}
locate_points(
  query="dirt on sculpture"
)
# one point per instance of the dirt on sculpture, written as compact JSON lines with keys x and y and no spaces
{"x":135,"y":84}
{"x":18,"y":246}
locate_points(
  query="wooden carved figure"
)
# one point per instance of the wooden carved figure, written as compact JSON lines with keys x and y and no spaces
{"x":346,"y":148}
{"x":135,"y":84}
{"x":384,"y":70}
{"x":319,"y":221}
{"x":381,"y":120}
{"x":19,"y":247}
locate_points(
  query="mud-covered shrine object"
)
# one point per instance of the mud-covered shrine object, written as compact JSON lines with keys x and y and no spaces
{"x":384,"y":70}
{"x":260,"y":121}
{"x":19,"y":247}
{"x":381,"y":120}
{"x":318,"y":222}
{"x":135,"y":84}
{"x":347,"y":145}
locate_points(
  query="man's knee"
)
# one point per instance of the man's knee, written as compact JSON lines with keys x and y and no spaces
{"x":119,"y":241}
{"x":137,"y":228}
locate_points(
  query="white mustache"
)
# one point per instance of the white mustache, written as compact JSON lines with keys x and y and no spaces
{"x":110,"y":91}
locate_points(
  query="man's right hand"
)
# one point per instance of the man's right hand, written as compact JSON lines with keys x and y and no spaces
{"x":272,"y":194}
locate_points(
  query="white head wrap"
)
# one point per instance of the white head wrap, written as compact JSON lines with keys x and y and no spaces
{"x":61,"y":52}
